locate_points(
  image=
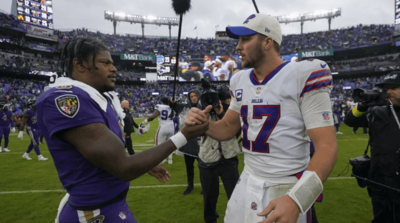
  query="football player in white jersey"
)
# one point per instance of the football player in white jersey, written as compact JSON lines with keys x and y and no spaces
{"x":282,"y":105}
{"x":166,"y":127}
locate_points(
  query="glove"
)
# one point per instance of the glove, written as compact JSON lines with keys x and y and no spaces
{"x":13,"y":129}
{"x":21,"y":135}
{"x":145,"y":122}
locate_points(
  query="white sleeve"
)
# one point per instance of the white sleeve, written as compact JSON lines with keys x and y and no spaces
{"x":316,"y":110}
{"x":234,"y":105}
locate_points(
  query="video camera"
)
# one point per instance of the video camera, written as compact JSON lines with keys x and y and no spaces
{"x":374,"y":97}
{"x":212,"y":95}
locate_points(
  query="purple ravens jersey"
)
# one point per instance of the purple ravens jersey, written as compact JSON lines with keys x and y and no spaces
{"x":32,"y":121}
{"x":59,"y":110}
{"x":5,"y":119}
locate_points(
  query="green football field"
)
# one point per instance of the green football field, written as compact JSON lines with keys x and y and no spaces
{"x":30,"y":191}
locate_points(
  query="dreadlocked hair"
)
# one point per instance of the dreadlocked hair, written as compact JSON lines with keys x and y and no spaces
{"x":79,"y":48}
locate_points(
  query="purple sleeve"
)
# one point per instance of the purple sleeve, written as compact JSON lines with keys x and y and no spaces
{"x":65,"y":111}
{"x":10,"y":120}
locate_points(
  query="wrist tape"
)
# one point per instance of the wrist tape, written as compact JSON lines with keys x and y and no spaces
{"x":306,"y":190}
{"x":179,"y":140}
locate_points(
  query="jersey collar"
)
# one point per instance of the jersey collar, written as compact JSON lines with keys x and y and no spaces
{"x":255,"y":81}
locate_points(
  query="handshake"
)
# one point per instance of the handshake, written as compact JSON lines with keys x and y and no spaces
{"x":196,"y":123}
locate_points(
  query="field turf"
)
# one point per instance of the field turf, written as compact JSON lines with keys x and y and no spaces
{"x":30,"y":191}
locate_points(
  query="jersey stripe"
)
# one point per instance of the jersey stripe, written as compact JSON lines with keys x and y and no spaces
{"x":318,"y":73}
{"x":316,"y":86}
{"x":317,"y":80}
{"x":255,"y":81}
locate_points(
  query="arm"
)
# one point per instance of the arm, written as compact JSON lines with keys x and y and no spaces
{"x":11,"y":121}
{"x":134,"y":123}
{"x":24,"y":120}
{"x":357,"y":117}
{"x":154,"y":115}
{"x":325,"y":156}
{"x":105,"y":150}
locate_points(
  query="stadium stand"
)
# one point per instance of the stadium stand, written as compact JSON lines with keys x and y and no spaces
{"x":20,"y":64}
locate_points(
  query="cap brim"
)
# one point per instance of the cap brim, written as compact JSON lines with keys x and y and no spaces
{"x":237,"y":31}
{"x":386,"y":83}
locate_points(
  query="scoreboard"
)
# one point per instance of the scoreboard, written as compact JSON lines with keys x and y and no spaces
{"x":36,"y":12}
{"x":165,"y":64}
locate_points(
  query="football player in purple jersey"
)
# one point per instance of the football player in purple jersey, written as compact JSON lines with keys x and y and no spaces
{"x":5,"y":123}
{"x":81,"y":119}
{"x":32,"y":129}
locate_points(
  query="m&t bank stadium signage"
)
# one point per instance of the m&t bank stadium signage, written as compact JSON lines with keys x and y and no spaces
{"x":316,"y":53}
{"x":138,"y":57}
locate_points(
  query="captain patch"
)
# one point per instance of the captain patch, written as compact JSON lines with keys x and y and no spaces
{"x":68,"y":105}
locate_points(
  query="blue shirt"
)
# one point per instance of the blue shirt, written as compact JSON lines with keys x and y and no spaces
{"x":59,"y":110}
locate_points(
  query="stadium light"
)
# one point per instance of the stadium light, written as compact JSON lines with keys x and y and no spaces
{"x":153,"y":20}
{"x":312,"y":16}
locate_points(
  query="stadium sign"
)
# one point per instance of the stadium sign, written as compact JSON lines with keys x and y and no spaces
{"x":139,"y":57}
{"x":41,"y":48}
{"x":316,"y":53}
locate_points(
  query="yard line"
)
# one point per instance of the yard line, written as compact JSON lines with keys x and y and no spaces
{"x":134,"y":187}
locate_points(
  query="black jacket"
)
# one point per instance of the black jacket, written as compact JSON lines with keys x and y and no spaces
{"x":385,"y":141}
{"x":192,"y":147}
{"x":129,"y":122}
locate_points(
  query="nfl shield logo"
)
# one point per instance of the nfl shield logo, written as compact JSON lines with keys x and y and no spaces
{"x":326,"y":117}
{"x":254,"y":206}
{"x":258,"y":90}
{"x":122,"y":215}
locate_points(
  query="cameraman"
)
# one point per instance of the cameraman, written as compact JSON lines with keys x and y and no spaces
{"x":217,"y":159}
{"x":385,"y":152}
{"x":191,"y":149}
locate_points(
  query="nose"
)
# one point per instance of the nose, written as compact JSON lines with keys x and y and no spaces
{"x":113,"y":69}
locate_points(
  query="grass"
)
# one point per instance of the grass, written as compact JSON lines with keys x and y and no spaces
{"x":343,"y":201}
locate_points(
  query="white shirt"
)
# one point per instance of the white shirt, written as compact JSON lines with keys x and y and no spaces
{"x":276,"y":113}
{"x":165,"y":117}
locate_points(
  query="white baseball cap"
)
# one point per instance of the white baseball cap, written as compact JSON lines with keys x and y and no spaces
{"x":257,"y":23}
{"x":208,"y":63}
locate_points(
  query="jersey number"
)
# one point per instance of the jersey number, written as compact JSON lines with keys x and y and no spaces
{"x":273,"y":113}
{"x":164,"y":115}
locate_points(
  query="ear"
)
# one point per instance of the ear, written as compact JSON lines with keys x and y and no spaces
{"x":268,"y":43}
{"x":77,"y":66}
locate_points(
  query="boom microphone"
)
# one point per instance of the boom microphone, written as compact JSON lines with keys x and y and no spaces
{"x":180,"y":7}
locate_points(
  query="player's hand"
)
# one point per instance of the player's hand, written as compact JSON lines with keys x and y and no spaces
{"x":160,"y":173}
{"x":145,"y":122}
{"x":196,"y":116}
{"x":13,"y":129}
{"x":219,"y":109}
{"x":284,"y":210}
{"x":21,"y":135}
{"x":193,"y":131}
{"x":173,"y":100}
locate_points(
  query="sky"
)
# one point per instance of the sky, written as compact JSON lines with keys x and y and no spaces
{"x":207,"y":14}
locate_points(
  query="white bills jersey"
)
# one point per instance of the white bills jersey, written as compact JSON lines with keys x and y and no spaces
{"x":277,"y":111}
{"x":166,"y":127}
{"x":165,"y":116}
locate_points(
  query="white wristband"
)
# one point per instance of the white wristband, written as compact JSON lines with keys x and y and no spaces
{"x":179,"y":140}
{"x":306,"y":190}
